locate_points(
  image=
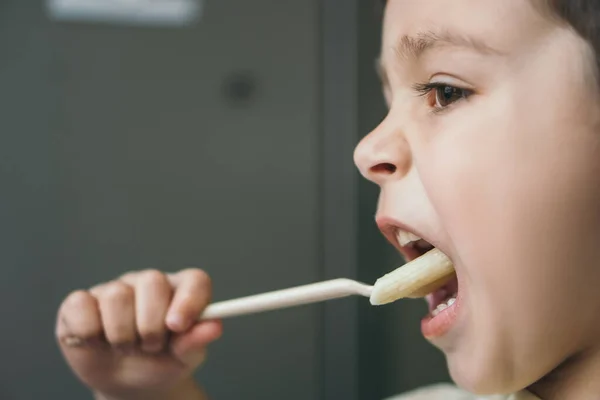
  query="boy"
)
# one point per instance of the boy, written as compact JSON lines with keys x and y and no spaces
{"x":489,"y":152}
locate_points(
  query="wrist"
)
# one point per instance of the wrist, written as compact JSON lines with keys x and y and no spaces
{"x":185,"y":390}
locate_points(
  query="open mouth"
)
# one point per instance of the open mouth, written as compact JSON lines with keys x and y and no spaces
{"x":412,"y":246}
{"x":442,"y":297}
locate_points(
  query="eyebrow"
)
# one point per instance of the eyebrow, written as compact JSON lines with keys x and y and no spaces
{"x":412,"y":48}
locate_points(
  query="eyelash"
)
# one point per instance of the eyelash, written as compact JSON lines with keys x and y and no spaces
{"x":433,"y":89}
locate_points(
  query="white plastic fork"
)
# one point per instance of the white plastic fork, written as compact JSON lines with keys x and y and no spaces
{"x":296,"y":296}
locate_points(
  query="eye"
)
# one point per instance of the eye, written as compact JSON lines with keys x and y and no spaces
{"x":441,"y":95}
{"x":446,"y":95}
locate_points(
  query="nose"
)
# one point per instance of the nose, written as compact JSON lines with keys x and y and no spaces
{"x":383,"y":155}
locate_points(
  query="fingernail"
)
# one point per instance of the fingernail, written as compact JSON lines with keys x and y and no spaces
{"x":175,"y":321}
{"x":74,"y":341}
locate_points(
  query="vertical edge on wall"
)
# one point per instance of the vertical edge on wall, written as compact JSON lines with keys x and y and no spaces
{"x":339,"y":202}
{"x":376,"y":256}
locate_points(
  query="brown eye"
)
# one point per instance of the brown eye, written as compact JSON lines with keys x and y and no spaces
{"x":446,"y":95}
{"x":440,"y":95}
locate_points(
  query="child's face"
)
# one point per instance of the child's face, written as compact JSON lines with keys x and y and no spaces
{"x":501,"y":171}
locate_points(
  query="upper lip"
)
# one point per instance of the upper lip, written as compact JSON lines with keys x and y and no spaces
{"x":389,"y":228}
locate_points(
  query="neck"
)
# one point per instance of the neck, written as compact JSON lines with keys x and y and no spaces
{"x":576,"y":378}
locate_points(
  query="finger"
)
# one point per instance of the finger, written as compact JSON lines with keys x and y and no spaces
{"x":78,"y":321}
{"x":192,"y":294}
{"x":116,"y":302}
{"x":190,"y":347}
{"x":153,"y":294}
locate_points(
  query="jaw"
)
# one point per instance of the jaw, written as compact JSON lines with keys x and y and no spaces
{"x":574,"y":378}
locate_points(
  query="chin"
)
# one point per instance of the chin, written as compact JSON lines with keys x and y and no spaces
{"x":488,"y":377}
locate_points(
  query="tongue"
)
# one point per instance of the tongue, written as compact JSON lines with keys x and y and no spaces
{"x":440,"y":295}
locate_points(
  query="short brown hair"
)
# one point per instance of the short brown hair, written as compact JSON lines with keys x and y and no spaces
{"x":584,"y":17}
{"x":581,"y":15}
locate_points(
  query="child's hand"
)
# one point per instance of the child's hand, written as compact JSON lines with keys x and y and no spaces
{"x":139,"y":334}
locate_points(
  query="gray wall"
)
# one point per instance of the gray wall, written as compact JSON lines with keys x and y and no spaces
{"x":121,"y":149}
{"x":121,"y":152}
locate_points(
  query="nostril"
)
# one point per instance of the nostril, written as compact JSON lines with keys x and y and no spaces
{"x":385,"y":168}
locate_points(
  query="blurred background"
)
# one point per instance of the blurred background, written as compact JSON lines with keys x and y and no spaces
{"x":210,"y":133}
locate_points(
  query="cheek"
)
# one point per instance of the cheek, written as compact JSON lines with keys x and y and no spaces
{"x":504,"y":177}
{"x":470,"y":175}
{"x":514,"y":203}
{"x":511,"y":188}
{"x":519,"y":200}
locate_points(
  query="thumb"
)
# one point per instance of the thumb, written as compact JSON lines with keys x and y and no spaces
{"x":190,"y":347}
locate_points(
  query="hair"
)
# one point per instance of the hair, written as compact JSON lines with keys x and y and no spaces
{"x":583,"y":16}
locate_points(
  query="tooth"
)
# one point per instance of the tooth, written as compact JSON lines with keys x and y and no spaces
{"x":451,"y":301}
{"x":441,"y":307}
{"x":414,"y":279}
{"x":405,"y":238}
{"x":435,"y":312}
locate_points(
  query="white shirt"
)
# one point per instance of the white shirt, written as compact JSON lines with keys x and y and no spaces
{"x":450,"y":392}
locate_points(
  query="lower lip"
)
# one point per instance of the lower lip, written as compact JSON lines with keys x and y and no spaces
{"x":438,"y":326}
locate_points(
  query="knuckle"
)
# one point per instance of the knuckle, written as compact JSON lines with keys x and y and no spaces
{"x":128,"y":276}
{"x":117,"y":292}
{"x":189,"y":301}
{"x":199,"y":276}
{"x":154,"y":277}
{"x":78,"y":300}
{"x":78,"y":315}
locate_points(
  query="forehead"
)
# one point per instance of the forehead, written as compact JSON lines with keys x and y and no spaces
{"x":507,"y":25}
